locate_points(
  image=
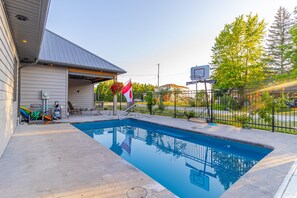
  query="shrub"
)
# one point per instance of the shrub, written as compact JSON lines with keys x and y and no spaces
{"x":229,"y":101}
{"x":242,"y":119}
{"x":151,"y":101}
{"x":189,"y":114}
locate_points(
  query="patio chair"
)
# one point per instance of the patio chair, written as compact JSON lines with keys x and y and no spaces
{"x":73,"y":109}
{"x":99,"y":106}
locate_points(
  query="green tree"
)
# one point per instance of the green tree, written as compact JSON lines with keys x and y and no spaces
{"x":293,"y":51}
{"x":138,"y":87}
{"x":279,"y":41}
{"x":238,"y":52}
{"x":151,"y":101}
{"x":103,"y":89}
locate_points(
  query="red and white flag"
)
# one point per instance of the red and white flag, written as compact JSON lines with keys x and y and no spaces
{"x":127,"y":143}
{"x":127,"y":91}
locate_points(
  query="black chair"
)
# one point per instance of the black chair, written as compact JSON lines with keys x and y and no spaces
{"x":73,"y":110}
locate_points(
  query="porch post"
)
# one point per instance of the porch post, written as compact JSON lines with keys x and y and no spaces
{"x":115,"y":99}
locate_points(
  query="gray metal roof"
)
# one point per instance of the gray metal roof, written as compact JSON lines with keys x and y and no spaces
{"x":58,"y":50}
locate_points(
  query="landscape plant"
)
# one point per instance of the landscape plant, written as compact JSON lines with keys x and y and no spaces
{"x":161,"y":106}
{"x":150,"y":102}
{"x":189,"y":114}
{"x":267,"y":104}
{"x":242,"y":119}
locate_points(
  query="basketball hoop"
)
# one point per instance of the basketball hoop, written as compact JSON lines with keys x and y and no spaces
{"x":200,"y":73}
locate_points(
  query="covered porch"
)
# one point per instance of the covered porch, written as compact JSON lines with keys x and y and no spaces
{"x":66,"y":73}
{"x":81,"y":87}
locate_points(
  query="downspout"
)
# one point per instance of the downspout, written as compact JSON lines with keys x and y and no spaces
{"x":19,"y":87}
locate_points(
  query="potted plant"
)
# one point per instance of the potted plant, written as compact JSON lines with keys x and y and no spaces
{"x":116,"y":87}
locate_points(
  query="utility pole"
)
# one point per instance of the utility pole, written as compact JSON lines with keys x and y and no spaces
{"x":158,"y":76}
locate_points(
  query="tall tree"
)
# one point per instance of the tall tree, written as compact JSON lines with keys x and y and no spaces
{"x":237,"y":54}
{"x":279,"y":41}
{"x":293,"y":32}
{"x":293,"y":50}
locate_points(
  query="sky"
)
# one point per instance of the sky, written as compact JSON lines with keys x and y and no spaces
{"x":136,"y":35}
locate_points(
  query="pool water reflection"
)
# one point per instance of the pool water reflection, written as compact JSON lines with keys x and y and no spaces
{"x":186,"y":163}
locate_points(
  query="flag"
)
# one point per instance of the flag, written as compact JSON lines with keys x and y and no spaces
{"x":127,"y":143}
{"x":127,"y":91}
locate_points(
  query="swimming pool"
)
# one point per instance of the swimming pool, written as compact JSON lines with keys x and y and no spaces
{"x":186,"y":163}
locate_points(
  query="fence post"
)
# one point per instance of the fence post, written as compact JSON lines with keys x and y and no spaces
{"x":121,"y":101}
{"x":211,"y":107}
{"x":272,"y":121}
{"x":174,"y":104}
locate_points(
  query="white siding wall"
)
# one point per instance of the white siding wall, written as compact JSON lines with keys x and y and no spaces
{"x":8,"y":75}
{"x":54,"y":80}
{"x":85,"y":97}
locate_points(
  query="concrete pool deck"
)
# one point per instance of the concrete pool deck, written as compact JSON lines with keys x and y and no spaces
{"x":58,"y":160}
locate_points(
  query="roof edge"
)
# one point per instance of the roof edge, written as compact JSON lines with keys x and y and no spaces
{"x":44,"y":8}
{"x":40,"y":61}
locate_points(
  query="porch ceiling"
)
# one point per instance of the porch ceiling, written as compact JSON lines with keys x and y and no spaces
{"x":27,"y":20}
{"x":91,"y":77}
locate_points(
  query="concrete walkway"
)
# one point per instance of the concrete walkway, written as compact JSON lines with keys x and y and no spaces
{"x":288,"y":189}
{"x":59,"y":161}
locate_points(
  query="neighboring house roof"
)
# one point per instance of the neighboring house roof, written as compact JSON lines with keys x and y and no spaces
{"x":58,"y":50}
{"x":173,"y":86}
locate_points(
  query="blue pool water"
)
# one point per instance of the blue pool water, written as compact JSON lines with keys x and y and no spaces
{"x":186,"y":163}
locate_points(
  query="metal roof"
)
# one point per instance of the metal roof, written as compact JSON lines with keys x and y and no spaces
{"x":59,"y":51}
{"x":27,"y":20}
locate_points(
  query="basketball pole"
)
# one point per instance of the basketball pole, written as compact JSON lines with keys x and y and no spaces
{"x":207,"y":105}
{"x":196,"y":97}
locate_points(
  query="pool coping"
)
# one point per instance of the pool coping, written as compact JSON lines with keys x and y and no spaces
{"x":266,"y":177}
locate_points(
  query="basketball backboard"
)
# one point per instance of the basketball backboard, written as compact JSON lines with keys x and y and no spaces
{"x":200,"y":72}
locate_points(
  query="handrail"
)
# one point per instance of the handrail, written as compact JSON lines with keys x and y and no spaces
{"x":133,"y":105}
{"x":125,"y":111}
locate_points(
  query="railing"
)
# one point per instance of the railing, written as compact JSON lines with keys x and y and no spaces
{"x":274,"y":111}
{"x":127,"y":111}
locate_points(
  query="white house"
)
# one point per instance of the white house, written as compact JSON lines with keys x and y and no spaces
{"x":33,"y":59}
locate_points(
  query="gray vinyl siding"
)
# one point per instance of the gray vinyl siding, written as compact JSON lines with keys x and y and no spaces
{"x":8,"y":86}
{"x":35,"y":79}
{"x":85,"y":97}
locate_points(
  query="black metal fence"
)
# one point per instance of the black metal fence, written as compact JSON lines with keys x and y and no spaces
{"x":274,"y":111}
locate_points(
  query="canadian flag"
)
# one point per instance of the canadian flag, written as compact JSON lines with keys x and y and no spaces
{"x":127,"y":91}
{"x":127,"y":143}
